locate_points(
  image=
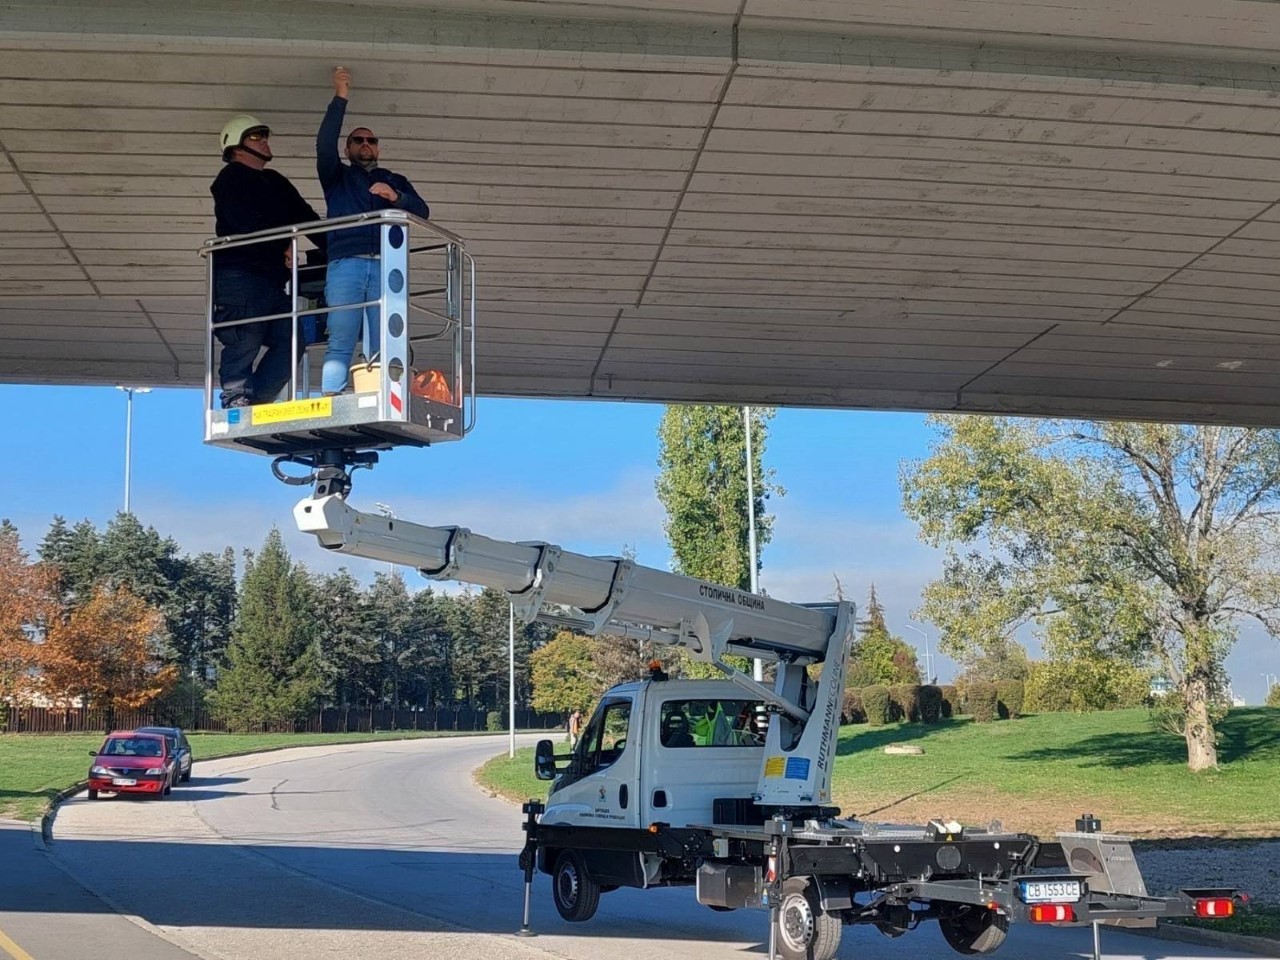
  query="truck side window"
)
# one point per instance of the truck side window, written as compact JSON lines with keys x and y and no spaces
{"x":606,"y":736}
{"x":712,"y":723}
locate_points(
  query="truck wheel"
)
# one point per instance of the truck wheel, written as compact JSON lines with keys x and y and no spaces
{"x":93,"y":794}
{"x":974,"y":930}
{"x":576,"y":894}
{"x":805,"y":931}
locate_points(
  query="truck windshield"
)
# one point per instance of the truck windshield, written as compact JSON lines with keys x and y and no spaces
{"x":713,"y":723}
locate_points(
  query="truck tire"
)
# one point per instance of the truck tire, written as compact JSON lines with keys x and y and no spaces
{"x":805,"y":931}
{"x":577,"y":896}
{"x":974,"y":930}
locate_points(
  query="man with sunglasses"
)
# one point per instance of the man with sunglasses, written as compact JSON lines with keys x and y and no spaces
{"x":354,"y":275}
{"x":250,"y":281}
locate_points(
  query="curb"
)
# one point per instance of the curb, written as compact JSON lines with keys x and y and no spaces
{"x":43,"y":833}
{"x":1261,"y":946}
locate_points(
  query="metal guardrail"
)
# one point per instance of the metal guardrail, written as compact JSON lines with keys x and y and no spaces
{"x":452,"y":305}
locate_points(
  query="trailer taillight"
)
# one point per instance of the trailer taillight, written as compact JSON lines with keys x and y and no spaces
{"x":1215,"y":907}
{"x":1052,"y":913}
{"x":771,"y":871}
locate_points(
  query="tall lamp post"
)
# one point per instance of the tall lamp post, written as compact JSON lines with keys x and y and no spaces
{"x":928,"y":657}
{"x":511,"y":680}
{"x":757,"y":666}
{"x":128,"y":438}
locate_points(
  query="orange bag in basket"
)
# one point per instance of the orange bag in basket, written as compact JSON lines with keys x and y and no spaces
{"x":431,"y":385}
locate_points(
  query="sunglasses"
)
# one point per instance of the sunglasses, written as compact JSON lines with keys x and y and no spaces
{"x":371,"y":141}
{"x":258,"y":135}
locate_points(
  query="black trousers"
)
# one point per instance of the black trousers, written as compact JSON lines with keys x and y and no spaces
{"x":237,"y":296}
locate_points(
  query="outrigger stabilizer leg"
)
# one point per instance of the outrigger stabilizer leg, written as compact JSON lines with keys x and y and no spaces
{"x":330,"y":470}
{"x":529,"y":859}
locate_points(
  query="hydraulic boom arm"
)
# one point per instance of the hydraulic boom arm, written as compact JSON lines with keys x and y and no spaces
{"x":617,"y":597}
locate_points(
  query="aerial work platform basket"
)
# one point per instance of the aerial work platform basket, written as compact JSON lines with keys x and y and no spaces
{"x":418,"y":389}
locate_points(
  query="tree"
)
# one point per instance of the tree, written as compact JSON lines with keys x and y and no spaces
{"x":76,"y":556}
{"x":703,"y":487}
{"x":273,"y":674}
{"x":391,"y":621}
{"x":104,"y":652}
{"x":563,"y":677}
{"x":27,"y":603}
{"x":202,"y":611}
{"x":877,"y":656}
{"x":349,"y":649}
{"x":1133,"y":542}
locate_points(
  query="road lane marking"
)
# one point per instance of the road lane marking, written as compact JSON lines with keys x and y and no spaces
{"x":12,"y":949}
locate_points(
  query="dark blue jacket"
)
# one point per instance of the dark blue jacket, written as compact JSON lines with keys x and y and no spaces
{"x":346,"y":189}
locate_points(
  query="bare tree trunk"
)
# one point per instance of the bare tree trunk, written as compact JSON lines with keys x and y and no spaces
{"x":1202,"y":748}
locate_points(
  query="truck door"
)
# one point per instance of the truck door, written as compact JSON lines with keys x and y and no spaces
{"x":602,"y":788}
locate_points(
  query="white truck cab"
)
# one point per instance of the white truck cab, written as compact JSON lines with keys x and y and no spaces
{"x":661,"y":751}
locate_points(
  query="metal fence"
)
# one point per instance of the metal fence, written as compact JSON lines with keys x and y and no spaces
{"x":327,"y":720}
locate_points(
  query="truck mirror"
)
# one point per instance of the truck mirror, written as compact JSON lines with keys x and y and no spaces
{"x":544,"y":760}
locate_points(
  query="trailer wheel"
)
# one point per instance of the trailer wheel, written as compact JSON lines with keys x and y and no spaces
{"x":577,"y":896}
{"x":805,"y":930}
{"x":974,"y":930}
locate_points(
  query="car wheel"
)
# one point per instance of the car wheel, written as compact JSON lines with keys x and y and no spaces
{"x":186,"y":777}
{"x":577,"y":896}
{"x":93,"y":794}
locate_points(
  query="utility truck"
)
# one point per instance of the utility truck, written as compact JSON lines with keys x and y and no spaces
{"x":720,"y":785}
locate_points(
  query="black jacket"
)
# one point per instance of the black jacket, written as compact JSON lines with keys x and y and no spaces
{"x":246,"y":200}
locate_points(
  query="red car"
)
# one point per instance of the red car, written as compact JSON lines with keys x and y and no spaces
{"x":129,"y":762}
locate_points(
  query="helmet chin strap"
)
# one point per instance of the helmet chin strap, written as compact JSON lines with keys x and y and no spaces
{"x":261,"y":156}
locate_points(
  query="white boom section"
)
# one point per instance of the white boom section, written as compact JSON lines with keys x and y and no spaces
{"x":615,"y":596}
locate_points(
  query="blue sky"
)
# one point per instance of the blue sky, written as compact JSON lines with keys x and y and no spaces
{"x":579,"y":474}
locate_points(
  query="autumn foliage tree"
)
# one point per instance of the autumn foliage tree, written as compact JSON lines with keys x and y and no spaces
{"x":104,"y":652}
{"x":26,"y":600}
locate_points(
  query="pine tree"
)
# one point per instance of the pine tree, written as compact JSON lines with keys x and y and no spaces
{"x":879,"y":657}
{"x":273,"y":675}
{"x":350,"y":653}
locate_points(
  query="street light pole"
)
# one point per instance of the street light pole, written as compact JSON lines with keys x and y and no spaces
{"x":757,"y":666}
{"x":128,"y":438}
{"x":928,"y":657}
{"x":511,"y":680}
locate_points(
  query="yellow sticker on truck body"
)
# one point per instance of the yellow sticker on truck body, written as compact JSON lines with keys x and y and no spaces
{"x":293,"y":410}
{"x":774,"y":766}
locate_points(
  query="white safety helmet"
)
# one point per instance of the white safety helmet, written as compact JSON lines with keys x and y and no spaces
{"x":233,"y":131}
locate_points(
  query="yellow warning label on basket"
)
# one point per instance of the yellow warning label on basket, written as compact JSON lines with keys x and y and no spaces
{"x":293,"y":410}
{"x":775,"y":766}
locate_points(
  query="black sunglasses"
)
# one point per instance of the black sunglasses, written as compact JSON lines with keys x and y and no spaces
{"x":371,"y":141}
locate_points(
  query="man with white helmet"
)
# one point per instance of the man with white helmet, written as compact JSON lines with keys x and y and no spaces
{"x":250,"y":281}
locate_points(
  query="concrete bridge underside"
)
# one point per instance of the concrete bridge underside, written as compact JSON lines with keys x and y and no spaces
{"x":1065,"y":208}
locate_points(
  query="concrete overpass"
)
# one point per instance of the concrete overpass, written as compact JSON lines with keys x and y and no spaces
{"x":988,"y":205}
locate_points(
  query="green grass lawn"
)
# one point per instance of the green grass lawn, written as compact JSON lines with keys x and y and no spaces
{"x":33,"y":767}
{"x":1038,"y":773}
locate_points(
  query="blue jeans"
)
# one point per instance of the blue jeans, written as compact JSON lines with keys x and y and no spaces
{"x":238,"y":295}
{"x":349,"y":280}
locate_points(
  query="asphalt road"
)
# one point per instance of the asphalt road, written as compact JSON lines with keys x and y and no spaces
{"x":384,"y":850}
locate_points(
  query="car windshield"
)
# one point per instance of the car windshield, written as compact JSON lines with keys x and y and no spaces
{"x":133,"y":747}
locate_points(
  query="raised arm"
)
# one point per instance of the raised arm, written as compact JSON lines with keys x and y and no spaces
{"x":328,"y":160}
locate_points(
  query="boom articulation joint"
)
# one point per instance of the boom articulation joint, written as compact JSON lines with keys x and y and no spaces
{"x":330,"y":470}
